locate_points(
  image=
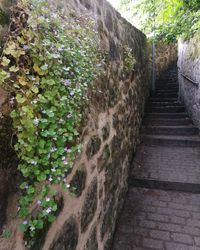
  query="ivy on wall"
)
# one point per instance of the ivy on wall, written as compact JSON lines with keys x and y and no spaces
{"x":48,"y":62}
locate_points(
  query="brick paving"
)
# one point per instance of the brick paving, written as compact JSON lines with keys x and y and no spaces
{"x":156,"y":218}
{"x":179,"y":164}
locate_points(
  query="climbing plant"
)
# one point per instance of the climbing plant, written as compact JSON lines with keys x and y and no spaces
{"x":48,"y":62}
{"x":169,"y":18}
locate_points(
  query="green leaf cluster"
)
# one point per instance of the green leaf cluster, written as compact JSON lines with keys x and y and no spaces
{"x":47,"y":65}
{"x":165,"y":20}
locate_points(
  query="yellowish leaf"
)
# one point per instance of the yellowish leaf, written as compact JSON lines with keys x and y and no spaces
{"x":38,"y":70}
{"x":5,"y":61}
{"x":22,"y":81}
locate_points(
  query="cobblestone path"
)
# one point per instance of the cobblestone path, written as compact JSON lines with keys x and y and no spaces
{"x":162,"y":208}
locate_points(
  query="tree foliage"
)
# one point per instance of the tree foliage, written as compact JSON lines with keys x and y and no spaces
{"x":167,"y":19}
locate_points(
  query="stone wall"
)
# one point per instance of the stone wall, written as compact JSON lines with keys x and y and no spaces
{"x":113,"y":119}
{"x":110,"y":137}
{"x":166,"y":55}
{"x":189,"y":65}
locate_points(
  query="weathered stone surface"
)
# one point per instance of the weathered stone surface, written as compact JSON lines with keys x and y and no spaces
{"x":79,"y":180}
{"x":103,"y":159}
{"x":114,"y":51}
{"x":166,"y":54}
{"x":109,"y":21}
{"x":89,"y":206}
{"x":189,"y":65}
{"x":67,"y":238}
{"x":107,"y":217}
{"x":106,"y":131}
{"x":93,"y":146}
{"x":4,"y":188}
{"x":92,"y":243}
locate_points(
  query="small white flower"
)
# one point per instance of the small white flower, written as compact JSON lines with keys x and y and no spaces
{"x":25,"y":222}
{"x":48,"y":211}
{"x":68,"y":150}
{"x":50,"y":178}
{"x":61,"y":121}
{"x":63,"y":158}
{"x":12,"y":100}
{"x":36,"y":121}
{"x":53,"y":149}
{"x":58,"y":178}
{"x":34,"y":162}
{"x":32,"y":228}
{"x":65,"y":162}
{"x":35,"y":101}
{"x":39,"y":202}
{"x":47,"y":199}
{"x":67,"y":185}
{"x":72,"y":93}
{"x":53,"y":170}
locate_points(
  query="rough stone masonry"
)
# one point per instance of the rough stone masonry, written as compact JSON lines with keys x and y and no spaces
{"x":87,"y":220}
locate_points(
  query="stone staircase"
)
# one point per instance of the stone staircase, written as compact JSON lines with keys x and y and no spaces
{"x":162,"y":208}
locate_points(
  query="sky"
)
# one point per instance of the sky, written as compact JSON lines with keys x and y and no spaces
{"x":114,"y":2}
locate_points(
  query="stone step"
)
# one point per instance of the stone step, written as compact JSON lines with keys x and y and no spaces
{"x":164,"y":185}
{"x":168,"y":95}
{"x":166,"y":84}
{"x":167,"y":122}
{"x":162,"y":90}
{"x":166,"y":91}
{"x":166,"y":115}
{"x":161,"y":99}
{"x":170,"y":130}
{"x":164,"y":140}
{"x":174,"y":164}
{"x":168,"y":109}
{"x":164,"y":104}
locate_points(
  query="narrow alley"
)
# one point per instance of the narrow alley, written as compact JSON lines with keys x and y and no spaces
{"x":163,"y":203}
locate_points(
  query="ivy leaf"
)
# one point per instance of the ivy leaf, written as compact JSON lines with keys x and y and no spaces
{"x":22,"y":81}
{"x":13,"y":69}
{"x":35,"y":89}
{"x":20,"y":98}
{"x":38,"y":70}
{"x":5,"y":61}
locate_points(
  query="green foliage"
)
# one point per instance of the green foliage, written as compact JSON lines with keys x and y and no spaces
{"x":128,"y":59}
{"x":47,"y":65}
{"x":169,"y":19}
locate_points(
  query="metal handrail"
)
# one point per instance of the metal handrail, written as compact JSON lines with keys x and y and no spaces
{"x":190,"y":80}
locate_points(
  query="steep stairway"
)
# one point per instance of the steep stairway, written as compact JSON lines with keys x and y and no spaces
{"x":162,"y":208}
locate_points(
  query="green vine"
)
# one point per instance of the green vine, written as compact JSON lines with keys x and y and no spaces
{"x":128,"y":59}
{"x":47,"y":65}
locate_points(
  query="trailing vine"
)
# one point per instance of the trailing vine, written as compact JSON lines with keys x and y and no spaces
{"x":47,"y":64}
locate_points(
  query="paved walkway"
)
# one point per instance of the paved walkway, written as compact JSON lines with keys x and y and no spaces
{"x":162,"y":208}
